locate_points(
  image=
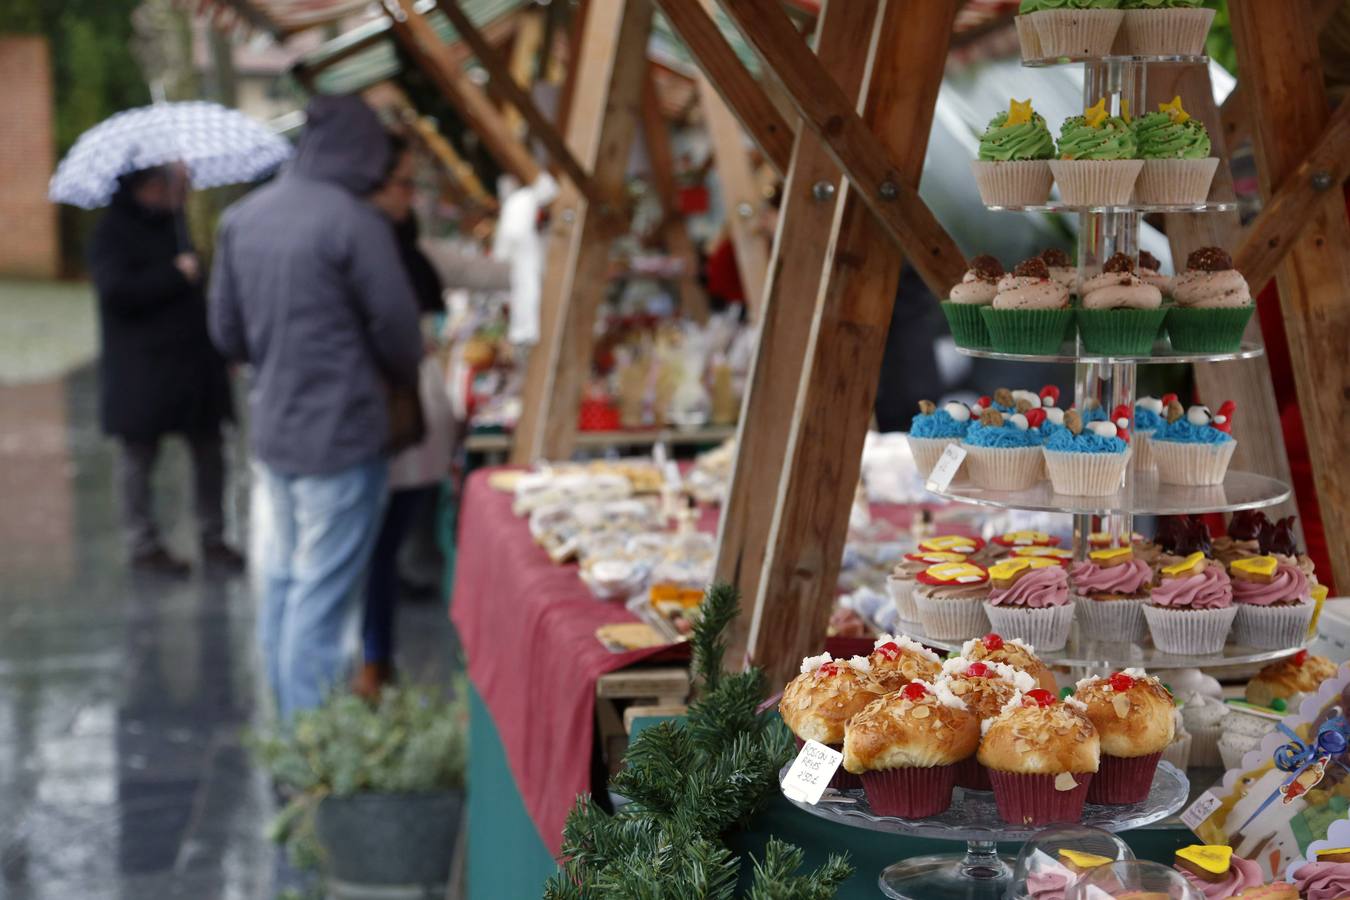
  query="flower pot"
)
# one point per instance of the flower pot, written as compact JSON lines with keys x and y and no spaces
{"x":388,"y":846}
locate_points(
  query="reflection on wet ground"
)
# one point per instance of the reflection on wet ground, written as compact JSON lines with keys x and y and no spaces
{"x":122,"y":700}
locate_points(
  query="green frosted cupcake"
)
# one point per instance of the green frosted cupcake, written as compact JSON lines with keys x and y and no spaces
{"x":1165,"y":27}
{"x":1175,"y":149}
{"x":1030,"y":313}
{"x":1096,"y":164}
{"x":1012,"y":169}
{"x":1213,"y":304}
{"x":965,"y":300}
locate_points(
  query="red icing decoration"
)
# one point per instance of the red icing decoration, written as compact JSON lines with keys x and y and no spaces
{"x":978,"y":669}
{"x":993,"y":641}
{"x":913,"y":691}
{"x":986,"y":402}
{"x":1226,"y":411}
{"x":1050,"y":395}
{"x":890,"y":650}
{"x":1041,"y":697}
{"x":1120,"y":682}
{"x":1035,"y":418}
{"x":1167,"y":400}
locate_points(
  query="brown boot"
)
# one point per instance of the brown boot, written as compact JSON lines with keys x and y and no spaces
{"x":370,"y":680}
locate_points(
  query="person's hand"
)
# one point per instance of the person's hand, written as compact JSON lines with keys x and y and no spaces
{"x":189,"y":265}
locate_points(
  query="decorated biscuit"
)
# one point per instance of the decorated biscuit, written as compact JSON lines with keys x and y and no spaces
{"x":934,"y":557}
{"x":1254,"y":569}
{"x":1112,"y":556}
{"x":1058,"y":554}
{"x":1209,"y":862}
{"x":1026,"y":539}
{"x":1191,"y":565}
{"x":1006,"y":572}
{"x":954,"y":573}
{"x":955,"y":543}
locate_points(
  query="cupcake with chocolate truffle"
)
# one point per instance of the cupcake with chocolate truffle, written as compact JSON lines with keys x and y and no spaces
{"x":1177,"y":537}
{"x":1274,"y":603}
{"x":1003,"y":453}
{"x":964,"y":301}
{"x":1212,"y":304}
{"x":1175,"y":148}
{"x":1029,"y":599}
{"x":985,"y":688}
{"x":994,"y":648}
{"x":933,"y":429}
{"x":1110,"y":589}
{"x":1165,"y":27}
{"x":1243,"y":535}
{"x":1150,"y":271}
{"x":1190,"y":608}
{"x":1194,"y":447}
{"x":1030,"y":313}
{"x":904,"y":578}
{"x":1120,"y":313}
{"x":818,"y":703}
{"x":1042,"y":755}
{"x":1096,"y":161}
{"x":1215,"y":872}
{"x":1013,"y":167}
{"x":1087,"y":460}
{"x":897,"y":660}
{"x":1277,"y":539}
{"x":1133,"y":715}
{"x":1062,"y":269}
{"x":950,"y":598}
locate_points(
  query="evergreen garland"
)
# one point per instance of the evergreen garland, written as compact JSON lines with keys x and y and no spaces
{"x":689,"y":782}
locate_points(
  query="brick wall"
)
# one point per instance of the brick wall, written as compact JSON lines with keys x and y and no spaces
{"x":28,"y":232}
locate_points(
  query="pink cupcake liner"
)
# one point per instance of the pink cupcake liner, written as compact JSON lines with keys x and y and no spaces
{"x":972,"y":776}
{"x":1044,"y":629}
{"x":1166,"y":32}
{"x":1272,"y":627}
{"x":1077,"y":32}
{"x":910,"y":793}
{"x":902,"y":595}
{"x":1175,"y":181}
{"x":951,"y":620}
{"x":1014,"y":182}
{"x":843,"y":780}
{"x":1116,"y":621}
{"x":1086,"y":474}
{"x":1033,"y":799}
{"x":1004,"y":468}
{"x":1121,"y":780}
{"x":1197,"y":631}
{"x":1192,"y":464}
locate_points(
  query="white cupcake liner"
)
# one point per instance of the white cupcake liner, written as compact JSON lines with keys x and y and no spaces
{"x":1086,"y":474}
{"x":1175,"y":181}
{"x":1096,"y":182}
{"x":1045,"y":629}
{"x":902,"y":595}
{"x":1233,"y":746}
{"x":1013,"y":182}
{"x":1205,"y":745}
{"x":1142,"y":444}
{"x":1197,"y":631}
{"x":1004,"y":468}
{"x":1029,"y":37}
{"x":1178,"y":753}
{"x":927,"y":451}
{"x":1111,"y":620}
{"x":1272,"y":627}
{"x":1192,"y":464}
{"x":1077,"y":32}
{"x":951,"y":620}
{"x":1166,"y":32}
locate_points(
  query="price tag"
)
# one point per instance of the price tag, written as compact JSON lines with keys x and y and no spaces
{"x":947,"y":465}
{"x":1200,"y":810}
{"x":811,"y":772}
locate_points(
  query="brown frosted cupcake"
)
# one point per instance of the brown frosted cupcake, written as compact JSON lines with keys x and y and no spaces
{"x":950,"y":598}
{"x":1133,"y":715}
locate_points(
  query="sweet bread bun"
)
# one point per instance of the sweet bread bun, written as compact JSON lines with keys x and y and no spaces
{"x":918,"y":726}
{"x":1301,"y":673}
{"x":897,"y":660}
{"x":818,"y":702}
{"x":1132,"y":712}
{"x":986,"y":687}
{"x":1013,"y":652}
{"x":1039,"y":735}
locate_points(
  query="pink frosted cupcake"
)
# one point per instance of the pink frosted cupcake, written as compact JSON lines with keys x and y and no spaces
{"x":1110,"y":589}
{"x":1190,"y":608}
{"x":1274,"y":602}
{"x":1216,"y":872}
{"x":1324,"y":879}
{"x":1132,"y":713}
{"x":1030,"y":600}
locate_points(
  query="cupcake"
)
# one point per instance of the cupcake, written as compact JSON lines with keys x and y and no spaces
{"x":1175,"y":149}
{"x":965,"y":300}
{"x":1289,"y":680}
{"x":1027,"y":35}
{"x":1120,"y":313}
{"x":1133,"y":715}
{"x":1215,"y":872}
{"x":992,"y":648}
{"x":951,"y":543}
{"x":1194,"y":448}
{"x":1096,"y":160}
{"x":950,"y":598}
{"x":1165,"y":27}
{"x":1087,"y":460}
{"x":1212,"y":304}
{"x":1177,"y":537}
{"x":1150,"y":270}
{"x":1062,"y":271}
{"x":1274,"y":603}
{"x":1243,"y":538}
{"x":1325,"y":879}
{"x":1244,"y":729}
{"x":1029,"y":599}
{"x":1007,"y":544}
{"x":905,"y":747}
{"x":1178,"y":753}
{"x":897,"y":660}
{"x":1147,"y":419}
{"x":1041,"y":754}
{"x":903,"y":578}
{"x":1030,"y":312}
{"x":1079,"y":29}
{"x":1013,"y":167}
{"x":933,"y":429}
{"x":1190,"y":608}
{"x":1204,"y":717}
{"x":819,"y":702}
{"x":1110,"y":589}
{"x":1277,"y":539}
{"x":986,"y":688}
{"x":1004,"y":454}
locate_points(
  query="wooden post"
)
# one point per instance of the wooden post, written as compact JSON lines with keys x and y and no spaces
{"x":1289,"y":113}
{"x":839,"y":378}
{"x":601,"y":127}
{"x":524,"y":52}
{"x":799,"y":254}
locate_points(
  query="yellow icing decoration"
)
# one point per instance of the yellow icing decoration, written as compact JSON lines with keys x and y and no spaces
{"x":1025,"y":537}
{"x":1185,"y":565}
{"x":1019,"y":112}
{"x":1213,"y":858}
{"x":940,"y":556}
{"x":948,"y":542}
{"x":1095,"y":115}
{"x":1256,"y":565}
{"x":961,"y":572}
{"x":1043,"y":553}
{"x":1009,"y":567}
{"x":1174,"y":111}
{"x":1319,"y":594}
{"x":1331,"y":852}
{"x":1125,"y":109}
{"x":1111,"y":553}
{"x":1083,"y":860}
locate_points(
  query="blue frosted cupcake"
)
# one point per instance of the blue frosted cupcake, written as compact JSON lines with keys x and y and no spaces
{"x":933,"y":429}
{"x":1194,"y":447}
{"x":1148,"y":418}
{"x":1086,"y":459}
{"x":1003,"y":453}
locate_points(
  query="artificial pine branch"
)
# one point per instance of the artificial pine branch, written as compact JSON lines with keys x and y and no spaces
{"x":775,"y":877}
{"x":707,"y":643}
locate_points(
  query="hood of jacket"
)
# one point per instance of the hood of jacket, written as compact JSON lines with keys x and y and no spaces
{"x":343,"y":143}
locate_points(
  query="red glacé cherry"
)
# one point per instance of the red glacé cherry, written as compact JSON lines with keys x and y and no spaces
{"x":993,"y":642}
{"x":1120,"y":682}
{"x":913,"y":691}
{"x":828,"y":668}
{"x":1300,"y":657}
{"x":978,"y":669}
{"x":890,"y":650}
{"x":1041,"y":697}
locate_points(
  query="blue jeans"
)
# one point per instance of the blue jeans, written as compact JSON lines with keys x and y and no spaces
{"x":316,"y":533}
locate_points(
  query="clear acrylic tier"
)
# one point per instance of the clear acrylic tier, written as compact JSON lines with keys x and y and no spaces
{"x":1118,"y":60}
{"x":1058,"y":206}
{"x":1162,"y":354}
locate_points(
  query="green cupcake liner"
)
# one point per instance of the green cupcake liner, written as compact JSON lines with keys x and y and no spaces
{"x":1127,"y":332}
{"x":967,"y":326}
{"x":1034,"y":331}
{"x":1207,"y":330}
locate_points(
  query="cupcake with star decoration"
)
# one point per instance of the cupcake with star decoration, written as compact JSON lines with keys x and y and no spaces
{"x":1003,"y":453}
{"x":1110,"y":589}
{"x":993,"y":648}
{"x":1165,"y":27}
{"x":1096,"y":162}
{"x":985,"y":687}
{"x":1212,"y":304}
{"x":1120,"y":314}
{"x":1013,"y":168}
{"x":1042,"y":754}
{"x":933,"y":429}
{"x":819,"y":702}
{"x":1274,"y":603}
{"x":965,"y":300}
{"x":1190,"y":608}
{"x":1030,"y":313}
{"x":1088,"y":460}
{"x":1135,"y":722}
{"x":1195,"y":446}
{"x":1175,"y":147}
{"x":950,"y":599}
{"x":1029,"y":599}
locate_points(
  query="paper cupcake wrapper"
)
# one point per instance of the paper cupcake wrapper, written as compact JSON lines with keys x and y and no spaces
{"x":1041,"y":331}
{"x":972,"y":776}
{"x":1166,"y":32}
{"x":843,"y":780}
{"x":1086,"y":474}
{"x":1207,"y":330}
{"x":1077,"y":32}
{"x":1004,"y":468}
{"x":1192,"y":464}
{"x":1120,"y":780}
{"x":1033,"y":799}
{"x":1096,"y":182}
{"x":1191,"y":631}
{"x":966,"y":323}
{"x":1205,"y":746}
{"x":1013,"y":182}
{"x":1029,"y":37}
{"x":927,"y":451}
{"x":1233,"y":747}
{"x":1175,"y":181}
{"x":910,"y":793}
{"x":1111,"y":620}
{"x":1044,"y":629}
{"x":1272,"y":627}
{"x":1178,"y":753}
{"x":902,"y":595}
{"x":1129,"y":332}
{"x":951,"y":620}
{"x":1142,"y":442}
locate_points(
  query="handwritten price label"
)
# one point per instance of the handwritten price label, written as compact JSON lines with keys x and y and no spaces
{"x":811,"y":772}
{"x":947,"y":466}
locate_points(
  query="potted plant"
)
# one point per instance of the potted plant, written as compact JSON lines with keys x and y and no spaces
{"x":378,"y":789}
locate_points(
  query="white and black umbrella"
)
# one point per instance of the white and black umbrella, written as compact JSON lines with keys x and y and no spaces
{"x":218,"y":145}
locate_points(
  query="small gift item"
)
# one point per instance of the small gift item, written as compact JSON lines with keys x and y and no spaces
{"x":1133,"y":715}
{"x":897,"y":660}
{"x":1195,"y":446}
{"x":965,"y":300}
{"x":1121,"y":313}
{"x":1191,"y":608}
{"x":1087,"y":459}
{"x":950,"y":598}
{"x":933,"y":429}
{"x":1212,"y":304}
{"x":1215,"y":871}
{"x":1110,"y":589}
{"x":819,"y":702}
{"x":986,"y":688}
{"x":1175,"y":148}
{"x":1096,"y":161}
{"x":1274,"y":602}
{"x":901,"y":582}
{"x":1042,"y":755}
{"x":1013,"y":168}
{"x":1029,"y":599}
{"x":1057,"y":858}
{"x":1013,"y":652}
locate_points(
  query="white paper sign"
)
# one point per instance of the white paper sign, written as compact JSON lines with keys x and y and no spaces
{"x":811,"y":772}
{"x":947,"y":465}
{"x":1200,"y":810}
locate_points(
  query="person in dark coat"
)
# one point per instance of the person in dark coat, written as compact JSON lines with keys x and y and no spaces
{"x":158,"y":371}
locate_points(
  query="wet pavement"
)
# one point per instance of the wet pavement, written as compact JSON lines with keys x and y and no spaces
{"x":122,"y":699}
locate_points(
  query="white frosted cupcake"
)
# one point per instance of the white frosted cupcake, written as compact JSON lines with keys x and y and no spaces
{"x":1204,"y":717}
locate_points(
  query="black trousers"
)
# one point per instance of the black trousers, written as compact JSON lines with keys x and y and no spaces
{"x":208,"y":490}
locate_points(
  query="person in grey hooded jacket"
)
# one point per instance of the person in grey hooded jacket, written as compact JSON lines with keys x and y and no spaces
{"x":308,"y":288}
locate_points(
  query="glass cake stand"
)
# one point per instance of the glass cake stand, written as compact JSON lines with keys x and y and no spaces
{"x":981,"y":873}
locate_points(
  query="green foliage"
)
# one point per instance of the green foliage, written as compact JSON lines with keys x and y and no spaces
{"x":690,"y":782}
{"x":1219,"y":44}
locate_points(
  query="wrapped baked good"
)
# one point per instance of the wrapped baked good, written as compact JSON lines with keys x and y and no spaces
{"x":1042,"y":754}
{"x":993,"y":647}
{"x":1289,"y":680}
{"x":1134,"y":718}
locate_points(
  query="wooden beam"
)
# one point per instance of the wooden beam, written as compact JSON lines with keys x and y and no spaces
{"x":862,"y":155}
{"x":569,"y":87}
{"x":601,"y":127}
{"x":524,"y":56}
{"x":738,"y":89}
{"x":799,"y":254}
{"x":1289,"y":112}
{"x":839,"y":379}
{"x":479,"y":114}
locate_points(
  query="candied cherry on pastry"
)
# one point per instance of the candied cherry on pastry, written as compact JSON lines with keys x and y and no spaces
{"x":890,"y":650}
{"x":1300,"y":657}
{"x":827,"y":669}
{"x":1120,"y":682}
{"x":992,"y":641}
{"x":914,"y":691}
{"x":977,"y":670}
{"x":1040,"y":697}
